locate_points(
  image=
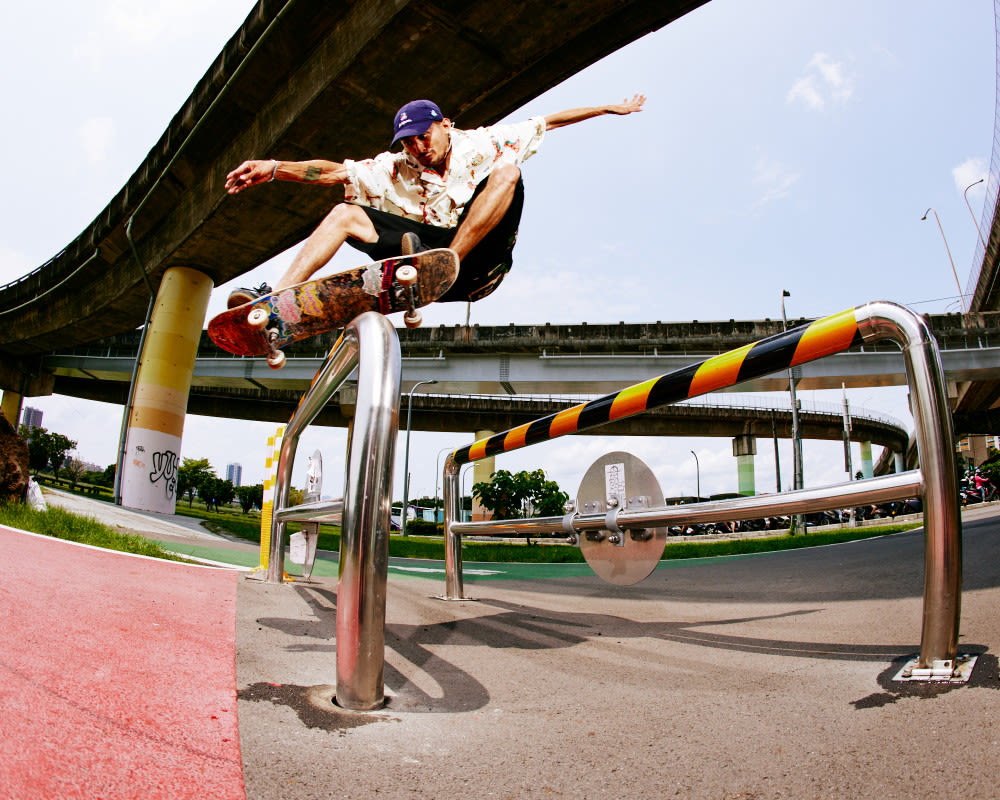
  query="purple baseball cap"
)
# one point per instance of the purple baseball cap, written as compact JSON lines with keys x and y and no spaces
{"x":415,"y":118}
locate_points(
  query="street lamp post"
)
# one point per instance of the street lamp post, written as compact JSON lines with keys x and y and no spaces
{"x":437,"y":475}
{"x":797,"y":479}
{"x":697,"y":475}
{"x":975,"y":222}
{"x":406,"y":459}
{"x":961,"y":294}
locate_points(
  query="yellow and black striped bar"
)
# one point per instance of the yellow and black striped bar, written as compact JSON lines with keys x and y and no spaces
{"x":823,"y":337}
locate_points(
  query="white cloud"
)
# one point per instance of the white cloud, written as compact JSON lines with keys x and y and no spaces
{"x":774,"y":178}
{"x":823,"y":83}
{"x":96,"y":136}
{"x":806,"y":91}
{"x":968,"y":172}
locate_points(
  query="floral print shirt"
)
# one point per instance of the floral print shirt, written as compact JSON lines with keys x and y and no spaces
{"x":397,"y":184}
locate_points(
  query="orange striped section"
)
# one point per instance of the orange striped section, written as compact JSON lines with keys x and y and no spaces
{"x":515,"y":438}
{"x":832,"y":334}
{"x":718,"y":372}
{"x":156,"y":419}
{"x":631,"y":400}
{"x":478,"y":450}
{"x":565,"y":422}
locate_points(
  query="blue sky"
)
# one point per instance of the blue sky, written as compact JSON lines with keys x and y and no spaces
{"x":785,"y":145}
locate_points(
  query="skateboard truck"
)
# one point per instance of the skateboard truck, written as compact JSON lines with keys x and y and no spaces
{"x":406,"y":276}
{"x":258,"y":318}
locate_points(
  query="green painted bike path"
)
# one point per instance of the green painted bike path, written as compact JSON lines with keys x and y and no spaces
{"x":472,"y":571}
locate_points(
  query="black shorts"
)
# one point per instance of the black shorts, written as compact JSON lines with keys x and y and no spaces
{"x":481,"y":270}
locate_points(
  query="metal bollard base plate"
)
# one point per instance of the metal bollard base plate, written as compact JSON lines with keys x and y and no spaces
{"x":957,"y":671}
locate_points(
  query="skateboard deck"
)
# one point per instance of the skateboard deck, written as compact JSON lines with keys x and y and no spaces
{"x":265,"y":325}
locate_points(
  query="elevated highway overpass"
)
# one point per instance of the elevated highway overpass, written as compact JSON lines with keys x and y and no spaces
{"x":511,"y":370}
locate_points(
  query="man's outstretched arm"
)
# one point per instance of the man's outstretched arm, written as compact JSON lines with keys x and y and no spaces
{"x":251,"y":173}
{"x":573,"y":115}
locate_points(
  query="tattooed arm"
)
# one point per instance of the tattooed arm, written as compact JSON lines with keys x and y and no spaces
{"x":251,"y":173}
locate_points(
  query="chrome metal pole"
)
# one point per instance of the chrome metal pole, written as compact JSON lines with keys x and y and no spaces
{"x":364,"y":536}
{"x":453,"y":588}
{"x":896,"y":486}
{"x":335,"y":370}
{"x":936,"y":447}
{"x":370,"y":343}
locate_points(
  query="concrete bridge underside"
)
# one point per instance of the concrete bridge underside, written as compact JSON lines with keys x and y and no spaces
{"x":299,"y":79}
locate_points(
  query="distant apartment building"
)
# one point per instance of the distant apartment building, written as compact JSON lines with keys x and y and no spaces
{"x":976,"y":449}
{"x":234,"y":474}
{"x":31,"y":417}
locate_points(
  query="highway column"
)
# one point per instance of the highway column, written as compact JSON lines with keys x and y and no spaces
{"x":745,"y":448}
{"x":482,"y":472}
{"x":867,"y":465}
{"x":163,"y":382}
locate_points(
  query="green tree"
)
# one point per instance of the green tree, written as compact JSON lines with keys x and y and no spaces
{"x":108,"y":476}
{"x":250,"y":496}
{"x":46,"y":449}
{"x":58,"y":450}
{"x":191,"y":473}
{"x":38,"y":453}
{"x":525,"y":494}
{"x":74,"y":471}
{"x":215,"y":491}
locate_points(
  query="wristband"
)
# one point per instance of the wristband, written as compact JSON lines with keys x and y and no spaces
{"x":273,"y":171}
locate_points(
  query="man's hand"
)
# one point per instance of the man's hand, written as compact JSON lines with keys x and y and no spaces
{"x":574,"y":115}
{"x":628,"y":106}
{"x":248,"y":174}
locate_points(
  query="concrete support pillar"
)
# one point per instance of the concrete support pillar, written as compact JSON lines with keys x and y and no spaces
{"x":744,"y":449}
{"x":481,"y":472}
{"x":900,"y":462}
{"x":867,"y":466}
{"x":156,"y":423}
{"x":11,"y":407}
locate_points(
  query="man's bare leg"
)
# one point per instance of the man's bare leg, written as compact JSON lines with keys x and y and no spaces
{"x":344,"y":221}
{"x":485,"y":214}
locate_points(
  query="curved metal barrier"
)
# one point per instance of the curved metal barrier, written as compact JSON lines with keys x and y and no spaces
{"x":371,"y":345}
{"x":936,"y":480}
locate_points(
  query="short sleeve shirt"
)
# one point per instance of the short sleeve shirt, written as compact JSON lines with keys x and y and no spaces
{"x":397,"y":184}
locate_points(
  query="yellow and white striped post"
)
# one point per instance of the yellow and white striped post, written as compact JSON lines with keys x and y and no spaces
{"x":155,"y":425}
{"x":267,"y":505}
{"x":10,"y":406}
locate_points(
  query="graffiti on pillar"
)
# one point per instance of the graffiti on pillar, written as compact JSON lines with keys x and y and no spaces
{"x":165,"y":468}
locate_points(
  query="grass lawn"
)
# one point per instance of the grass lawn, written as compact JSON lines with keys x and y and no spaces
{"x":85,"y":530}
{"x":233,"y":523}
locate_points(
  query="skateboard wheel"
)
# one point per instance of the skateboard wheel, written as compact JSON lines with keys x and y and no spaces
{"x":406,"y":275}
{"x":257,"y":318}
{"x":412,"y":319}
{"x":276,"y":360}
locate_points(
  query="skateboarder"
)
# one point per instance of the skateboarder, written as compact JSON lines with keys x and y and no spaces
{"x":447,"y":188}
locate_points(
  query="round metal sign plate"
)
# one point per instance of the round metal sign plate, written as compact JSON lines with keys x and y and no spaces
{"x":620,"y":480}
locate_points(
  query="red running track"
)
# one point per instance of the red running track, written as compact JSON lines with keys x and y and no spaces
{"x":117,"y":675}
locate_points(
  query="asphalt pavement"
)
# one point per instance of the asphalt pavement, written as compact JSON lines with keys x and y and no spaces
{"x":768,"y":676}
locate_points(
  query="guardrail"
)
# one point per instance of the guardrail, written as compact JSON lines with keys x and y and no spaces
{"x":936,"y":480}
{"x":371,"y":345}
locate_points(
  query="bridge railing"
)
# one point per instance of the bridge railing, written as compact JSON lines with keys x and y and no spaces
{"x":936,"y":480}
{"x":370,"y":345}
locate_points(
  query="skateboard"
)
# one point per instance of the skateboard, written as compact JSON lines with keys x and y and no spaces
{"x":265,"y":325}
